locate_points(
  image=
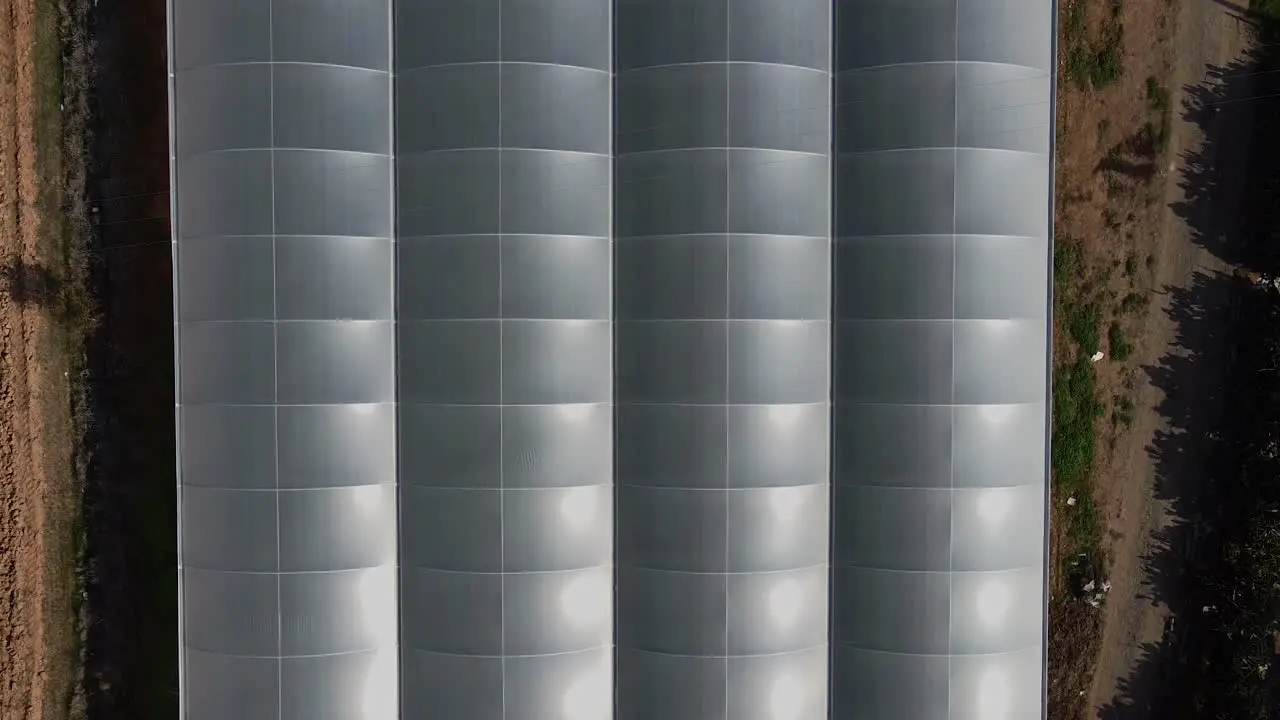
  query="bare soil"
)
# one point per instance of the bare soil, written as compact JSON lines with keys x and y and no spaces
{"x":37,"y":668}
{"x":1158,"y":469}
{"x":1157,"y":220}
{"x":1112,"y":155}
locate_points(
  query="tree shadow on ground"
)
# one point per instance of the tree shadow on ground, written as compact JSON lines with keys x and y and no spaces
{"x":1199,"y":379}
{"x":29,"y":284}
{"x":1186,"y":455}
{"x":131,"y":644}
{"x":1136,"y":157}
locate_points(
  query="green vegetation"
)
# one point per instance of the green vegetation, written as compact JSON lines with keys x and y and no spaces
{"x":1266,"y":11}
{"x":1074,"y":628}
{"x":1080,"y":318}
{"x":1093,"y":62}
{"x":1076,"y":407}
{"x":1092,"y":44}
{"x":1160,"y":106}
{"x":1133,"y":302}
{"x":1068,"y":263}
{"x":1121,"y":348}
{"x":1082,"y":325}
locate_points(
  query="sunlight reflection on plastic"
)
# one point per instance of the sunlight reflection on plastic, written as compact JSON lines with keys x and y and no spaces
{"x":993,"y":600}
{"x":379,"y":697}
{"x":786,"y":600}
{"x":585,"y":600}
{"x":376,"y":595}
{"x":578,"y":324}
{"x":367,"y":498}
{"x":578,"y":508}
{"x":574,"y":412}
{"x":786,"y":502}
{"x":994,"y":506}
{"x":590,"y":697}
{"x":993,"y":695}
{"x":362,"y":410}
{"x":996,"y":414}
{"x":787,"y":698}
{"x":995,"y":327}
{"x":784,"y":416}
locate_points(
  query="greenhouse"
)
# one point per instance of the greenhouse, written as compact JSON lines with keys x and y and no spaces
{"x":594,"y":359}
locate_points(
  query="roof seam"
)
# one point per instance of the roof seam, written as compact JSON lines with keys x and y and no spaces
{"x":275,"y":349}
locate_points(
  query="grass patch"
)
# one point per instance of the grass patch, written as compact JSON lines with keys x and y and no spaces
{"x":59,"y":282}
{"x":1075,"y":408}
{"x":1123,"y":412}
{"x":1068,"y":263}
{"x":1269,"y":9}
{"x":1093,"y":62}
{"x":1157,"y":95}
{"x":1082,"y":326}
{"x":1074,"y":29}
{"x":1121,"y":348}
{"x":1080,"y":318}
{"x":1131,"y":266}
{"x":1074,"y":625}
{"x":1133,"y":302}
{"x":1160,"y":104}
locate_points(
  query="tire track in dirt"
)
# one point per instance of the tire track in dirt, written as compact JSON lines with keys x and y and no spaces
{"x":23,"y":487}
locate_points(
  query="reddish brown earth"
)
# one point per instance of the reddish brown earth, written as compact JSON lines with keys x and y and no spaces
{"x":34,"y":400}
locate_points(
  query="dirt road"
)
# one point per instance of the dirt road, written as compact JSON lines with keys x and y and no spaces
{"x":34,"y":400}
{"x":1159,"y":467}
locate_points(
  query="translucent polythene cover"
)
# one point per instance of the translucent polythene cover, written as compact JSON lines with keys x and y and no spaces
{"x":504,"y":259}
{"x":287,"y":513}
{"x":722,"y":347}
{"x":943,"y":219}
{"x":715,"y":329}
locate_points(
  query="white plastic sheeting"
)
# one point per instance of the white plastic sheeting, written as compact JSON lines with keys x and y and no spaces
{"x":511,"y":330}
